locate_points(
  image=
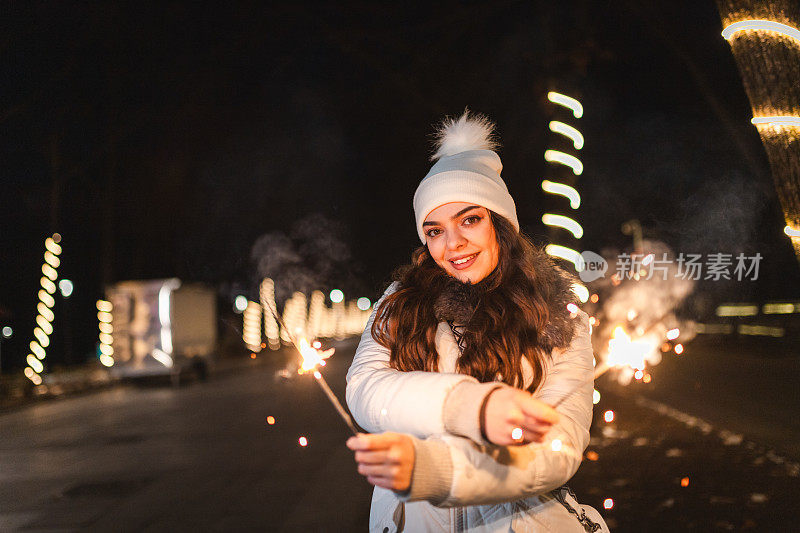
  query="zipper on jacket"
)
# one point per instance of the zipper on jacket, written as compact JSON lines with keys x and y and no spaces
{"x":457,"y":519}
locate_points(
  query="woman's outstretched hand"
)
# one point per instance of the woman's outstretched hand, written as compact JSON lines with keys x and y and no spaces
{"x":385,"y":459}
{"x":513,"y":416}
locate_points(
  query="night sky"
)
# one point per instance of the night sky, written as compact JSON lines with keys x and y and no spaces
{"x":163,"y":141}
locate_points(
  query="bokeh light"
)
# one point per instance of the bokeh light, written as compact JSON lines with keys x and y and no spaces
{"x":66,"y":287}
{"x":336,"y":296}
{"x":240,"y":303}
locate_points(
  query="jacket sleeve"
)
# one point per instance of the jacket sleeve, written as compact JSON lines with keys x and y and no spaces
{"x":467,"y":473}
{"x":384,"y":399}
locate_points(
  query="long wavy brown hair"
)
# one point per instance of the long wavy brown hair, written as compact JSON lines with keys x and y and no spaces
{"x":505,"y":325}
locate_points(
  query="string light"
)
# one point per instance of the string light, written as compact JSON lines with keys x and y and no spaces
{"x":251,"y":328}
{"x":563,"y":222}
{"x":784,"y":120}
{"x":737,"y":310}
{"x":48,"y":285}
{"x":570,"y":103}
{"x":266,"y":295}
{"x":52,"y":259}
{"x":104,"y":320}
{"x":556,"y":156}
{"x":46,"y":326}
{"x":45,"y":316}
{"x":316,"y":311}
{"x":791,"y":232}
{"x":564,"y":190}
{"x":46,"y":299}
{"x":569,"y":132}
{"x":761,"y":25}
{"x":45,"y":312}
{"x":35,"y":364}
{"x":780,"y":308}
{"x":581,"y":292}
{"x":43,"y":339}
{"x":52,"y":246}
{"x":38,"y":350}
{"x":562,"y":252}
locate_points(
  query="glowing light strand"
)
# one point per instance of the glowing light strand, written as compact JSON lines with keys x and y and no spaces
{"x":45,"y":316}
{"x":555,"y":156}
{"x":561,"y":221}
{"x":569,"y":132}
{"x":570,"y":103}
{"x":783,"y":120}
{"x":761,"y":25}
{"x":104,"y":319}
{"x":563,"y":190}
{"x":568,"y":254}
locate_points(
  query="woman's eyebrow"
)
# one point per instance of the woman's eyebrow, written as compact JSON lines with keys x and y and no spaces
{"x":432,"y":223}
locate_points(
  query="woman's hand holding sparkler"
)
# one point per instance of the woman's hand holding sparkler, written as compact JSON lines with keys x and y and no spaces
{"x":513,"y":416}
{"x":385,"y":459}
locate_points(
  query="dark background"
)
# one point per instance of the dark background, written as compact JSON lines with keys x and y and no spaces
{"x":163,"y":140}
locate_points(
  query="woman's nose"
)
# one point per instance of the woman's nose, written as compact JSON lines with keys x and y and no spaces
{"x":455,"y":240}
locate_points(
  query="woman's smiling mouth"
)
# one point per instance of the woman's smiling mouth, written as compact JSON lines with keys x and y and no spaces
{"x":464,"y":262}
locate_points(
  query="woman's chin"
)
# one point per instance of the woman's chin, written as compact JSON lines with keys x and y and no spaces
{"x":464,"y":277}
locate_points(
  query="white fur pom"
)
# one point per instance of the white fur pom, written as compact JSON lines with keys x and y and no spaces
{"x":468,"y":132}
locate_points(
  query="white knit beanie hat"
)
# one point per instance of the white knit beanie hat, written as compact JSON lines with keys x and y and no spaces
{"x":466,"y":170}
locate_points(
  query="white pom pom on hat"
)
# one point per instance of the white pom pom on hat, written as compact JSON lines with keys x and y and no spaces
{"x":466,"y":170}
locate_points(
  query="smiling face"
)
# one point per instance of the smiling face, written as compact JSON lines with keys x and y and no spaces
{"x":461,"y":239}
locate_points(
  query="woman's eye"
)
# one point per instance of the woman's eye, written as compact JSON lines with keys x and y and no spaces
{"x":473,"y":219}
{"x":433,"y":232}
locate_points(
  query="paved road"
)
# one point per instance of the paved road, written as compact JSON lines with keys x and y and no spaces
{"x":201,"y":457}
{"x":745,"y":385}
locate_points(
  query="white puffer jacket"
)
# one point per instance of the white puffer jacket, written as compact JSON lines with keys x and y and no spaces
{"x":460,"y":482}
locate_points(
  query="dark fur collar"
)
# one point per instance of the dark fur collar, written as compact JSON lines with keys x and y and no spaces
{"x":457,"y":302}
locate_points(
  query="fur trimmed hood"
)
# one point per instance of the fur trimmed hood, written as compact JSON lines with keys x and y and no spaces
{"x":457,"y":302}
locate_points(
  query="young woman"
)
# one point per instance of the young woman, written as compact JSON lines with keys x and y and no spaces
{"x":463,"y":357}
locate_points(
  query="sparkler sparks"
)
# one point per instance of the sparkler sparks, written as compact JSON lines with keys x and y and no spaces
{"x":311,"y":358}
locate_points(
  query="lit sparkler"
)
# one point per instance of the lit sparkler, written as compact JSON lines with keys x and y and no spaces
{"x":623,"y":352}
{"x":311,"y":358}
